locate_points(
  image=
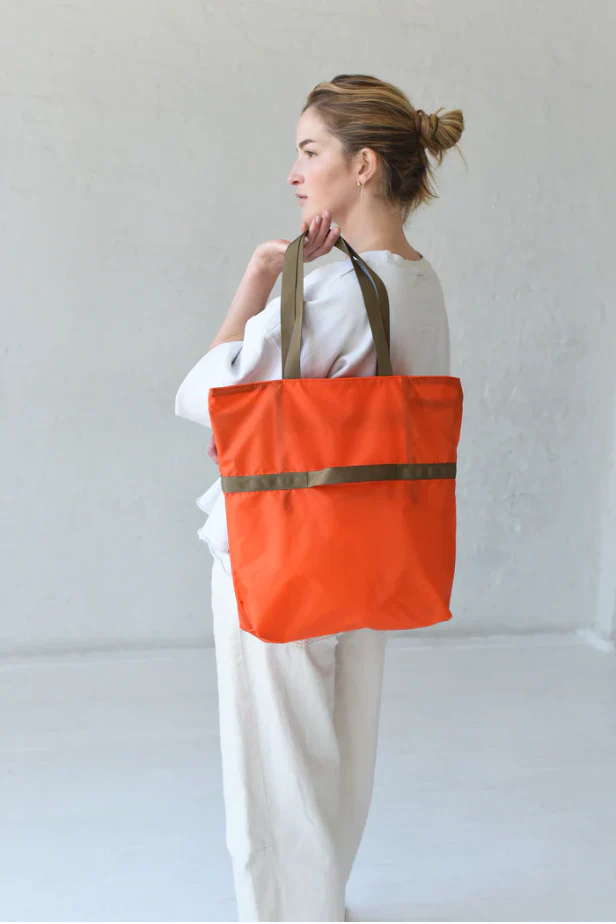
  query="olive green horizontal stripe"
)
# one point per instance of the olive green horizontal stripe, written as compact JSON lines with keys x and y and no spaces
{"x":343,"y":474}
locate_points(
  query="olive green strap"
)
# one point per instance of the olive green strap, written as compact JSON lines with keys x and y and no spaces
{"x":340,"y":474}
{"x":374,"y":294}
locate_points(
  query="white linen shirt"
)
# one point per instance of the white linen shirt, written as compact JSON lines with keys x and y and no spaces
{"x":336,"y":341}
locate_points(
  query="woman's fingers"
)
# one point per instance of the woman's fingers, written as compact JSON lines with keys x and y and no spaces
{"x":322,"y":224}
{"x":211,"y":449}
{"x":313,"y":229}
{"x":321,"y":237}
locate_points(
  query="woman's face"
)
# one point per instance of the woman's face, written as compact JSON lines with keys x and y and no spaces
{"x":320,"y":173}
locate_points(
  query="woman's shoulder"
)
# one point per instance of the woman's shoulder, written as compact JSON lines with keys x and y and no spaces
{"x":394,"y":269}
{"x":322,"y":277}
{"x":335,"y":283}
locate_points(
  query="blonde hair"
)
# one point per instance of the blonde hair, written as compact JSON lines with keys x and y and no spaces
{"x":363,"y":111}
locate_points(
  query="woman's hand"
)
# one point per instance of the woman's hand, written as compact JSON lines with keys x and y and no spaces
{"x":319,"y":241}
{"x":321,"y":236}
{"x":212,"y":451}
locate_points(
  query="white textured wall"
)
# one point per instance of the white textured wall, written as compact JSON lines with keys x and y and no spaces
{"x":606,"y":616}
{"x":144,"y":151}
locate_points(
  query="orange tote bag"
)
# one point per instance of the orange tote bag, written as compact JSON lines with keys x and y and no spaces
{"x":339,"y":492}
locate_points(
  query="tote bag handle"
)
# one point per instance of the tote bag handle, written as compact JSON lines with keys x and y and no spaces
{"x":373,"y":291}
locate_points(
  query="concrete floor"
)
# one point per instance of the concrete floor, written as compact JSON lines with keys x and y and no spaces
{"x":495,"y":795}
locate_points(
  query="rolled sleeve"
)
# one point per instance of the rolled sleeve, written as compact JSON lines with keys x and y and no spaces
{"x":256,"y":358}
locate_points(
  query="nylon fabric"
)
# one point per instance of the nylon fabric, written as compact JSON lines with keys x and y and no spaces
{"x":304,"y":562}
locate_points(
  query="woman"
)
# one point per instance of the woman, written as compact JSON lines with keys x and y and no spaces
{"x":299,"y":721}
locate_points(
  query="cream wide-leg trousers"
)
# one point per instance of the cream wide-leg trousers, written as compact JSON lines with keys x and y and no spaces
{"x":298,"y":734}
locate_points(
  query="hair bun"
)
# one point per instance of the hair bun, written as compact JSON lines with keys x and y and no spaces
{"x":420,"y":125}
